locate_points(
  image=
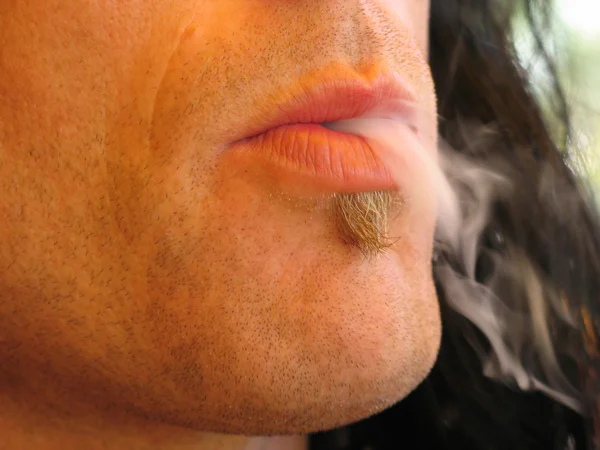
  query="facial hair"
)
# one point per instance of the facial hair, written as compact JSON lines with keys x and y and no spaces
{"x":362,"y":219}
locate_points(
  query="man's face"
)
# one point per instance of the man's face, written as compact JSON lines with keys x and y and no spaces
{"x":153,"y":261}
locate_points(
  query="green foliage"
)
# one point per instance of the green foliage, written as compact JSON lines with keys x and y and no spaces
{"x":576,"y":50}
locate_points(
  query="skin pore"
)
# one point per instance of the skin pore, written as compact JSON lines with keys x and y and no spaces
{"x":153,"y":295}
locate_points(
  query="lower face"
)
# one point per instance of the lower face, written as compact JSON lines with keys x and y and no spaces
{"x":148,"y":272}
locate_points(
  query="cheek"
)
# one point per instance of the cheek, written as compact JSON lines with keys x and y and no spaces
{"x":422,"y":11}
{"x":414,"y":15}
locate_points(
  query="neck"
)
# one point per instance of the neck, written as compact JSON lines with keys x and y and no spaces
{"x":29,"y":427}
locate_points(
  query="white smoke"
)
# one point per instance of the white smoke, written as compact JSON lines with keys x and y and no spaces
{"x":514,"y":302}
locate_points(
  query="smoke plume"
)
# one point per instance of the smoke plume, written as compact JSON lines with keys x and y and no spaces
{"x":481,"y":273}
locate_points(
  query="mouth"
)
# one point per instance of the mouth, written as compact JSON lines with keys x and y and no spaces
{"x":299,"y":145}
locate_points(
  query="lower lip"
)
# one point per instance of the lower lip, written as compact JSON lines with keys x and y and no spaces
{"x":314,"y":156}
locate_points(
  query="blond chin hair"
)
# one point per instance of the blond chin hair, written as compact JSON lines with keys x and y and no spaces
{"x":362,"y":219}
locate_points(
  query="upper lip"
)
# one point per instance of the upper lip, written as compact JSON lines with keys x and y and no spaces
{"x":331,"y":99}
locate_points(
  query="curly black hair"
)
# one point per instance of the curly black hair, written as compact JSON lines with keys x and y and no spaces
{"x":480,"y":80}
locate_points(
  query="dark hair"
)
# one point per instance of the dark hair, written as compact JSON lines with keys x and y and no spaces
{"x":478,"y":79}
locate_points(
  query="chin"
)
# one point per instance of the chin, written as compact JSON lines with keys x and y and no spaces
{"x":261,"y":321}
{"x":300,"y":351}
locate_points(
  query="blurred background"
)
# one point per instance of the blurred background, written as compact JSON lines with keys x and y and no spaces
{"x":574,"y":42}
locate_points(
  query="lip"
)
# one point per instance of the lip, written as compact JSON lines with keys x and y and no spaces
{"x":292,"y":146}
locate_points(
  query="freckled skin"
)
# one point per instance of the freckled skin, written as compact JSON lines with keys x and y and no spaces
{"x":138,"y":277}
